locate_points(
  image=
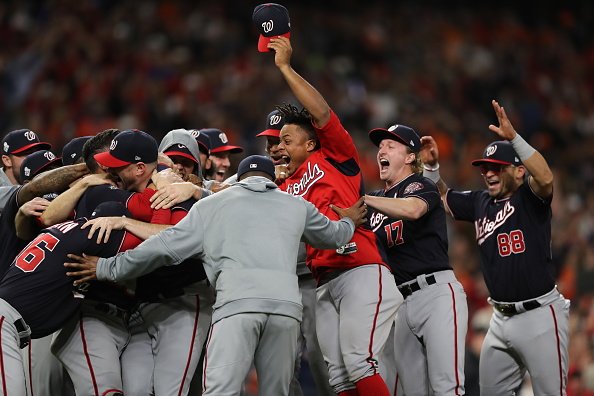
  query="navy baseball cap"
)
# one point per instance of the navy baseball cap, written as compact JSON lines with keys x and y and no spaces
{"x":203,"y":141}
{"x":38,"y":162}
{"x":16,"y":142}
{"x":110,"y":208}
{"x":500,"y":152}
{"x":129,"y":147}
{"x":72,"y":150}
{"x":272,"y":20}
{"x":400,"y":133}
{"x":256,"y":163}
{"x":274,"y":123}
{"x":182,"y":151}
{"x":219,"y":141}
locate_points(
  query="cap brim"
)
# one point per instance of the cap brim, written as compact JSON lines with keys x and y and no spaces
{"x":479,"y":162}
{"x":57,"y":159}
{"x":270,"y":132}
{"x":378,"y":134}
{"x":263,"y":41}
{"x":40,"y":145}
{"x":181,"y":154}
{"x":233,"y":149}
{"x":108,"y":160}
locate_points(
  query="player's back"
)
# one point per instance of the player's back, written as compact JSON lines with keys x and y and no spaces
{"x":36,"y":283}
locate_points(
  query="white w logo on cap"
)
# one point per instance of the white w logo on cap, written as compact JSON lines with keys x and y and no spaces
{"x":491,"y":150}
{"x":30,"y":135}
{"x":275,"y":119}
{"x":223,"y":137}
{"x":49,"y":155}
{"x":268,"y":26}
{"x":113,"y":145}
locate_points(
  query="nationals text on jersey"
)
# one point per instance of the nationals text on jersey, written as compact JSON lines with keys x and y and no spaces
{"x":307,"y":180}
{"x":485,"y":227}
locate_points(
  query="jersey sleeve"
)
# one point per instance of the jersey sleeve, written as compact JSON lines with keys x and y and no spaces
{"x":336,"y":142}
{"x":139,"y":205}
{"x":423,"y":189}
{"x":322,"y":233}
{"x":461,"y":204}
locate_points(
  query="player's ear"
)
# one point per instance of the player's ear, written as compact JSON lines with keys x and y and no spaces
{"x":6,"y":161}
{"x":410,"y":159}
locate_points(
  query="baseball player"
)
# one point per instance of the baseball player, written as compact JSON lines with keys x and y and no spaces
{"x":37,"y":298}
{"x":16,"y":145}
{"x":356,"y":299}
{"x":512,"y":219}
{"x":409,"y":220}
{"x":307,"y":284}
{"x":72,"y":151}
{"x":257,"y":310}
{"x":175,"y":305}
{"x":220,"y":151}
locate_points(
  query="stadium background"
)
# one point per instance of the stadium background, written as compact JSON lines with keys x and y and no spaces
{"x":72,"y":68}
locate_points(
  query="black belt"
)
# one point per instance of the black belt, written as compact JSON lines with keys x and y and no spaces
{"x":330,"y":275}
{"x":24,"y":332}
{"x":410,"y":288}
{"x":510,"y":309}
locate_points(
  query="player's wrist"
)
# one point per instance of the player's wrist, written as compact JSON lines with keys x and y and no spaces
{"x":432,"y":172}
{"x":522,"y":147}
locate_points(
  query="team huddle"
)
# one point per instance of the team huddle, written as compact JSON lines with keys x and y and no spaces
{"x":137,"y":267}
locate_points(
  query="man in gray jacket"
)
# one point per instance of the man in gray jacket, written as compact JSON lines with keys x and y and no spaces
{"x":249,"y":254}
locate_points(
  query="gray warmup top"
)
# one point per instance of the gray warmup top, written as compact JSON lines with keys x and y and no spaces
{"x":248,"y":238}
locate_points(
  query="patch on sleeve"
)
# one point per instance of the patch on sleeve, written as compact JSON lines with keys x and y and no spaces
{"x":412,"y":187}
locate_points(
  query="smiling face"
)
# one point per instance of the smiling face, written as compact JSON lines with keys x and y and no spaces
{"x":273,"y":150}
{"x":395,"y":161}
{"x":220,"y":165}
{"x":295,"y":146}
{"x":502,"y":180}
{"x":183,"y":165}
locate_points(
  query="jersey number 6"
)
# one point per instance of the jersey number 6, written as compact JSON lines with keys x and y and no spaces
{"x":33,"y":254}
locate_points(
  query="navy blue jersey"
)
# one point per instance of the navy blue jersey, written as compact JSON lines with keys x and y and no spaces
{"x":514,"y":239}
{"x":170,"y":281}
{"x":10,"y":244}
{"x":413,"y":247}
{"x":138,"y":204}
{"x":36,"y":284}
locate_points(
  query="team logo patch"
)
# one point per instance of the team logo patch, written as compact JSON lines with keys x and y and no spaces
{"x":412,"y":187}
{"x":349,"y":248}
{"x":27,"y":171}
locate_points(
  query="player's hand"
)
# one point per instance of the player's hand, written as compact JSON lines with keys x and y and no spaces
{"x":104,"y":226}
{"x":281,"y":173}
{"x":357,"y":212}
{"x":84,"y":268}
{"x":165,"y":178}
{"x":505,"y":129}
{"x":168,"y":196}
{"x":34,"y":207}
{"x":218,"y":186}
{"x":429,"y":151}
{"x":97,"y":179}
{"x":283,"y":50}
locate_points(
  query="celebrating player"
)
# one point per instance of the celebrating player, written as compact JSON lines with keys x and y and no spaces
{"x":512,"y":218}
{"x":410,"y":222}
{"x":356,"y":297}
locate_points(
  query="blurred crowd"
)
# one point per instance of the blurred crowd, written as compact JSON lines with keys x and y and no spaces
{"x":73,"y":68}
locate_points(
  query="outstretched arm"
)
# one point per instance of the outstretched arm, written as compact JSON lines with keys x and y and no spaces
{"x":305,"y":93}
{"x":55,"y":180}
{"x":430,"y":157}
{"x":541,"y":176}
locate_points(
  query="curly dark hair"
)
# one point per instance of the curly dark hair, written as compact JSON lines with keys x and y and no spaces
{"x":97,"y":144}
{"x":292,"y":115}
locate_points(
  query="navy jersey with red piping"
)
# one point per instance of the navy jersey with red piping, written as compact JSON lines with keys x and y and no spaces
{"x":36,"y":284}
{"x":138,"y":204}
{"x":170,"y":281}
{"x":331,"y":175}
{"x":10,"y":244}
{"x":413,"y":247}
{"x":514,"y":239}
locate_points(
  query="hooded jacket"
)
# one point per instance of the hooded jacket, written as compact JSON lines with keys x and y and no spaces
{"x":182,"y":136}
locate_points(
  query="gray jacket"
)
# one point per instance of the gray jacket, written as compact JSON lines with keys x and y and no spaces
{"x":248,"y":237}
{"x":181,"y":136}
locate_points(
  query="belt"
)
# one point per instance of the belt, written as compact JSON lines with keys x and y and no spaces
{"x":330,"y":275}
{"x":24,"y":332}
{"x":113,"y":310}
{"x":510,"y":309}
{"x":410,"y":288}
